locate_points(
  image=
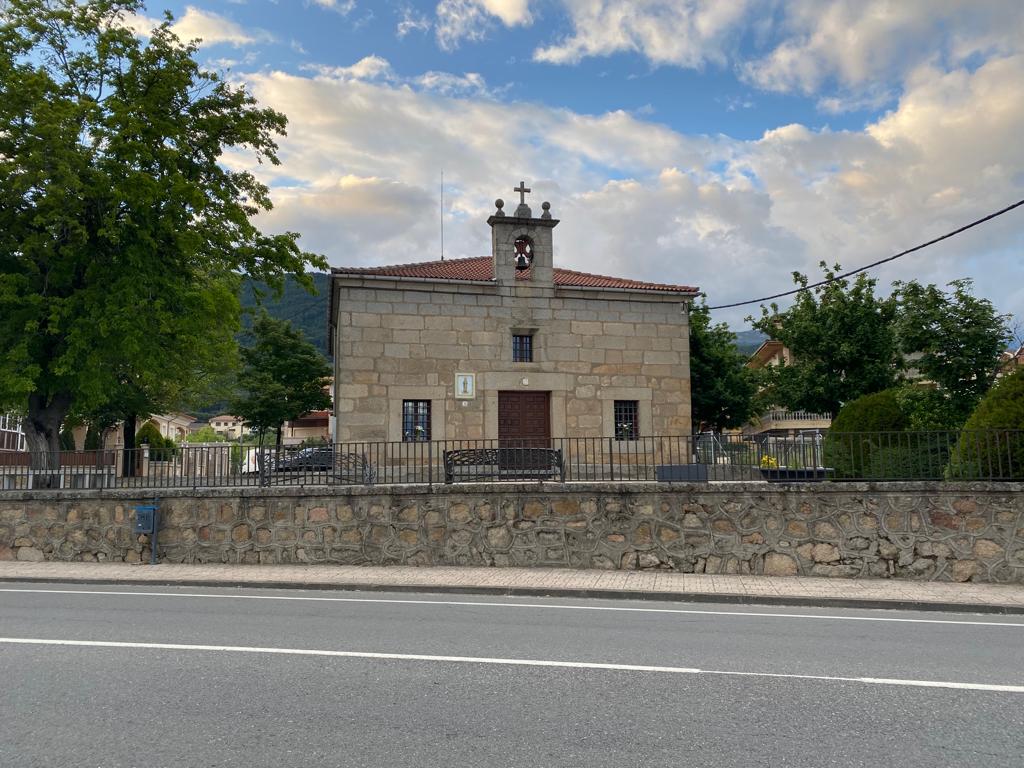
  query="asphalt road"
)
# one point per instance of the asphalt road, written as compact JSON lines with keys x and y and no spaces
{"x":159,"y":676}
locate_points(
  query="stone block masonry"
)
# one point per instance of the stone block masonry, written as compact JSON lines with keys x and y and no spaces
{"x":947,"y":532}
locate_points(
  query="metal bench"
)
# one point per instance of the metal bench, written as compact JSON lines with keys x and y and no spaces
{"x":353,"y":468}
{"x":470,"y":464}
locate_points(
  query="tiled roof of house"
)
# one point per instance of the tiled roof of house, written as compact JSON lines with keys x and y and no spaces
{"x":480,"y":269}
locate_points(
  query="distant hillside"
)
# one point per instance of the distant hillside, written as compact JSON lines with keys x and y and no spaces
{"x":747,"y":342}
{"x":304,"y":310}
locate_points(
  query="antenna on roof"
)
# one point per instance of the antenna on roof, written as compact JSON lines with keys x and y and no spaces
{"x":442,"y":214}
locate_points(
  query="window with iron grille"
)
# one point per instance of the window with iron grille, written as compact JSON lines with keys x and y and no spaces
{"x":627,"y":419}
{"x":415,"y":421}
{"x":522,"y":348}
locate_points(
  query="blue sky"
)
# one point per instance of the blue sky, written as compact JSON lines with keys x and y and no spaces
{"x":720,"y":143}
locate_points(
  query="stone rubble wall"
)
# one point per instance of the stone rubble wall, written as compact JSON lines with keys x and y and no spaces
{"x":947,"y":532}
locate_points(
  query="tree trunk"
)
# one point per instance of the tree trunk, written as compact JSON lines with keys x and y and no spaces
{"x":129,"y":459}
{"x":42,"y":432}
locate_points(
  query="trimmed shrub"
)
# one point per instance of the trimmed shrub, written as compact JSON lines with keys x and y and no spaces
{"x":991,"y":443}
{"x":160,"y":448}
{"x":877,"y":437}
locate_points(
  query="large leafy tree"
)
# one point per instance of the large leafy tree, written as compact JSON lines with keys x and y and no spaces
{"x":954,"y":340}
{"x":842,"y":340}
{"x":722,"y":387}
{"x":283,"y":376}
{"x":120,"y":229}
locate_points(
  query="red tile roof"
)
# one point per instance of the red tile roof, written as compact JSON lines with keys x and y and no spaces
{"x":480,"y":269}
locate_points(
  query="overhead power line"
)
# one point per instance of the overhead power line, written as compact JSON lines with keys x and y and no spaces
{"x":946,"y":236}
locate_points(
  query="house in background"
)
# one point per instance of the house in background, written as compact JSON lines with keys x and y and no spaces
{"x":1010,"y":361}
{"x":315,"y":426}
{"x":11,"y":436}
{"x":507,"y":346}
{"x":779,"y":422}
{"x":231,"y":427}
{"x":176,"y":426}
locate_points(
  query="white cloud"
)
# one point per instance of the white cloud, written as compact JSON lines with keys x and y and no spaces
{"x":211,"y":28}
{"x":857,"y":43}
{"x":363,"y":157}
{"x":682,"y":32}
{"x":855,"y":53}
{"x":411,"y":21}
{"x":367,"y":68}
{"x":471,"y":20}
{"x":344,"y":7}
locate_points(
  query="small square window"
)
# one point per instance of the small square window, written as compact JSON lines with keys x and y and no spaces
{"x":415,"y":421}
{"x":627,"y":419}
{"x":522,"y":348}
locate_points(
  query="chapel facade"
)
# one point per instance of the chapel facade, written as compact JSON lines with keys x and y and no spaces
{"x":507,"y":347}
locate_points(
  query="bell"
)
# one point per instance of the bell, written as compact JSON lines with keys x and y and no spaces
{"x":522,"y":262}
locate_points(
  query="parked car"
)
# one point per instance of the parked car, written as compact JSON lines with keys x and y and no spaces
{"x":316,"y":459}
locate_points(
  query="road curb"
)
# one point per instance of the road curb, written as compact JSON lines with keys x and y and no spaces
{"x":599,"y":594}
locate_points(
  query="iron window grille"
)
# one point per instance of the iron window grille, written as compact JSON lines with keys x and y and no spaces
{"x":627,"y":419}
{"x":522,"y":349}
{"x":415,"y":421}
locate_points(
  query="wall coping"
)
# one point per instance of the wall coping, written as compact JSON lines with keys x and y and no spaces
{"x":525,"y":488}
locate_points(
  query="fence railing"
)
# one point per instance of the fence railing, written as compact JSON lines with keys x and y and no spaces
{"x":933,"y":455}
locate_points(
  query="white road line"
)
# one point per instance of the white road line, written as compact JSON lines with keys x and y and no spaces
{"x":507,"y":662}
{"x":547,"y":606}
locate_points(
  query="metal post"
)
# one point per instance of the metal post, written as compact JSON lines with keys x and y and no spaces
{"x":152,"y":538}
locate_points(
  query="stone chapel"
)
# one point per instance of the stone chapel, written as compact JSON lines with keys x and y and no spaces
{"x":507,"y":346}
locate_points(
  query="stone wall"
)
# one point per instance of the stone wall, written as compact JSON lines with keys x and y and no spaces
{"x":906,"y":530}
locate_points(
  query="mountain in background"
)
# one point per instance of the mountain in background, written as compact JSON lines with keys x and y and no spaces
{"x":304,"y":310}
{"x":747,"y":342}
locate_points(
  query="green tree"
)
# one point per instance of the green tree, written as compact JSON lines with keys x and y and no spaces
{"x":722,"y":387}
{"x":118,"y":223}
{"x":991,"y":443}
{"x":206,"y":434}
{"x":283,"y":376}
{"x":954,"y":340}
{"x":842,"y":341}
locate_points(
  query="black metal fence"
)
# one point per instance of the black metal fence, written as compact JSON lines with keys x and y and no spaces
{"x":935,"y":455}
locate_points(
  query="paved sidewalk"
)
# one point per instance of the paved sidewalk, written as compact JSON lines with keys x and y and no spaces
{"x":642,"y":585}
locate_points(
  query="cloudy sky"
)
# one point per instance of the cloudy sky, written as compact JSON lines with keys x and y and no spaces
{"x":719,"y":143}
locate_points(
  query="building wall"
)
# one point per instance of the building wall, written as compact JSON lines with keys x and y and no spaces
{"x":935,"y":531}
{"x":398,"y":340}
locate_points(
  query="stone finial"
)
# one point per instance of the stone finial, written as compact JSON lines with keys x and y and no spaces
{"x":547,"y":210}
{"x":499,"y":204}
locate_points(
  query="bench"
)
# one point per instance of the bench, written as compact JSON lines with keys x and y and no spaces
{"x":469,"y":464}
{"x":353,"y":468}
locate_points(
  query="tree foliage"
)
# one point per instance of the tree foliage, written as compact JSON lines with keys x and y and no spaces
{"x":722,"y":387}
{"x":842,"y":341}
{"x":122,"y":236}
{"x":991,"y":442}
{"x":954,"y":340}
{"x":283,"y":376}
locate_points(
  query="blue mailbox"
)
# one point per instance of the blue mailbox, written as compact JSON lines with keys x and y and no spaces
{"x":147,"y":520}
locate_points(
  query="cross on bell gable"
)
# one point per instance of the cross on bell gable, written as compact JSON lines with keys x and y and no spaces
{"x":523,"y":210}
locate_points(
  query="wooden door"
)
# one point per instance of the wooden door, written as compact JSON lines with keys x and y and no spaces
{"x":524,"y":418}
{"x":524,"y":433}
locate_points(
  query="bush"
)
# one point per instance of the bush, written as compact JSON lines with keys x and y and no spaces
{"x":858,"y":443}
{"x":991,"y":443}
{"x":160,"y":448}
{"x":880,"y":436}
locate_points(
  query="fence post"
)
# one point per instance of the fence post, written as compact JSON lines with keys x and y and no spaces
{"x":611,"y":461}
{"x":430,"y":464}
